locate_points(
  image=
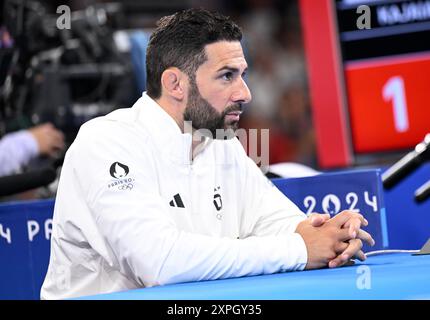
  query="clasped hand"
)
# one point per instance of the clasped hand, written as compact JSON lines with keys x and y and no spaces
{"x":334,"y":241}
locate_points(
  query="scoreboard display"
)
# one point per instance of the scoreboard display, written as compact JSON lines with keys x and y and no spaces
{"x":387,"y":73}
{"x":380,"y":52}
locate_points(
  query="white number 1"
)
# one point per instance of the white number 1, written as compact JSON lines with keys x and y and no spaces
{"x":394,"y":90}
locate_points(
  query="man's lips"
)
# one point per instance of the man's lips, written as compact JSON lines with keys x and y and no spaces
{"x":233,"y":115}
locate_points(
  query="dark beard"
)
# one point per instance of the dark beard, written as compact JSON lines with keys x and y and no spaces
{"x":204,"y":116}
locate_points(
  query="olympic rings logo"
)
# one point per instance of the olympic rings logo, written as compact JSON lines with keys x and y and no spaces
{"x":128,"y":186}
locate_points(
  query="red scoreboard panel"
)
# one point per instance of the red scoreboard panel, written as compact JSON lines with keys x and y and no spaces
{"x":370,"y":88}
{"x":389,"y":102}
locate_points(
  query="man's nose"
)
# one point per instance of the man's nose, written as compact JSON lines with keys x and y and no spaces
{"x":242,"y":93}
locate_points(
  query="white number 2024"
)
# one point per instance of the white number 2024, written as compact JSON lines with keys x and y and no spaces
{"x":351,"y":199}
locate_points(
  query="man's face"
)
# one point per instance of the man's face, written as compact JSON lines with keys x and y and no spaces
{"x":216,"y":96}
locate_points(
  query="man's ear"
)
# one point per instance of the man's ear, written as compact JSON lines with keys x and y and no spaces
{"x":173,"y":83}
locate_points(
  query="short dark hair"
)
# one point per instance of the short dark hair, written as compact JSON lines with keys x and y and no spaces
{"x":179,"y":41}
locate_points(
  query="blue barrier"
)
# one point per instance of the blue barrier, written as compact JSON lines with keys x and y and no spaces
{"x":25,"y":227}
{"x":25,"y":230}
{"x":357,"y":190}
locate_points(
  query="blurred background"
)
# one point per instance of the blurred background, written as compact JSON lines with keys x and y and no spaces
{"x":313,"y":75}
{"x":338,"y":88}
{"x":66,"y":77}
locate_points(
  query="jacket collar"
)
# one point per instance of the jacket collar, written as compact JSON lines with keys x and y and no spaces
{"x":165,"y":132}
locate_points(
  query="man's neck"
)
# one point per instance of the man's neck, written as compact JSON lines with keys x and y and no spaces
{"x":175,"y":110}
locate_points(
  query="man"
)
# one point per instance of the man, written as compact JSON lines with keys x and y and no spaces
{"x":142,"y":203}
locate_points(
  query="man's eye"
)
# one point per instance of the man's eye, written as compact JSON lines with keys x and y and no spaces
{"x":227,"y":76}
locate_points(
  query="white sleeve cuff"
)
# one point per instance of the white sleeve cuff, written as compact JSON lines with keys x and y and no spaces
{"x":301,"y":251}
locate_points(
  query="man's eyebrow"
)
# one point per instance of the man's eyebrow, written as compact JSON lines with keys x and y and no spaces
{"x":231,"y":69}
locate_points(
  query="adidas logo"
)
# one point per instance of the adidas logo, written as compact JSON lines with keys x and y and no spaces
{"x":177,"y":201}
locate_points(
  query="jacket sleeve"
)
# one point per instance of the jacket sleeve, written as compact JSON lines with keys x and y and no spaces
{"x":16,"y":150}
{"x":146,"y":243}
{"x":267,"y":211}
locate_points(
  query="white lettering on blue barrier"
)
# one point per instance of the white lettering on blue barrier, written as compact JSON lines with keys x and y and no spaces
{"x":373,"y":203}
{"x":48,"y":229}
{"x":352,"y":200}
{"x":33,"y":229}
{"x":331,"y":203}
{"x":309,"y":203}
{"x":5,"y":233}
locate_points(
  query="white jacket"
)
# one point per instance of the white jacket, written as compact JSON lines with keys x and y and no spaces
{"x":133,"y":211}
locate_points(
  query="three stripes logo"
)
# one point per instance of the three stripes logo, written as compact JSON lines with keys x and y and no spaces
{"x":177,"y":201}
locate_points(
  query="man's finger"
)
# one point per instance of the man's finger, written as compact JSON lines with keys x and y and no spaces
{"x":354,"y":216}
{"x":340,"y":247}
{"x":360,"y":256}
{"x":365,"y":236}
{"x":354,"y":227}
{"x":354,"y":247}
{"x":343,"y":235}
{"x":342,"y":218}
